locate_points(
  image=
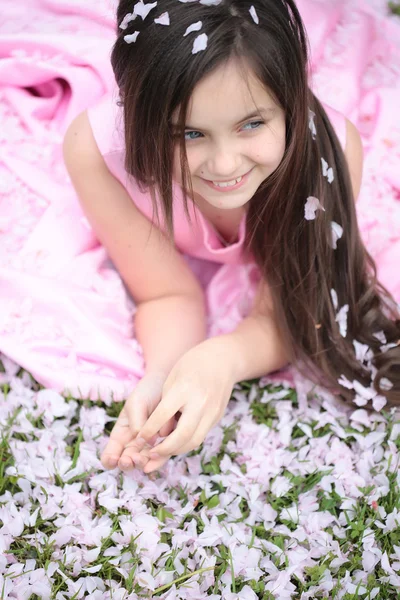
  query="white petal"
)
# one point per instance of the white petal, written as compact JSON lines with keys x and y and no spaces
{"x":362,"y":351}
{"x":210,"y":2}
{"x":341,"y":318}
{"x":311,"y":123}
{"x":334,"y":299}
{"x":345,"y":382}
{"x":163,"y":19}
{"x":194,"y":27}
{"x":387,"y":347}
{"x":366,"y":392}
{"x":127,"y":19}
{"x":254,"y":15}
{"x":379,"y":335}
{"x":131,"y":38}
{"x":379,"y":402}
{"x":200,"y":43}
{"x":142,"y":10}
{"x":386,"y":384}
{"x":310,"y":208}
{"x":326,"y":170}
{"x":337,"y":232}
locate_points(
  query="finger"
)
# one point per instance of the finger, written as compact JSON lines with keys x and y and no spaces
{"x":168,"y":427}
{"x":184,"y":432}
{"x":137,"y":411}
{"x":197,"y":439}
{"x":165,"y":411}
{"x":155,"y":464}
{"x":119,"y":437}
{"x":134,"y":454}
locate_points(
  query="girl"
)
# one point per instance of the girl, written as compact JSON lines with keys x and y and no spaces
{"x":217,"y":147}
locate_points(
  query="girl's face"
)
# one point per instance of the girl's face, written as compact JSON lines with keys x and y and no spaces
{"x":232,"y":132}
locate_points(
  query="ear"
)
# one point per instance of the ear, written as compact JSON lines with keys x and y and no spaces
{"x":355,"y":156}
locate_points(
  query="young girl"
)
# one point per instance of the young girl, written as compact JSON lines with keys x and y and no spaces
{"x":215,"y":146}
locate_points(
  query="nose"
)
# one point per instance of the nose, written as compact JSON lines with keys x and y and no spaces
{"x":224,"y":161}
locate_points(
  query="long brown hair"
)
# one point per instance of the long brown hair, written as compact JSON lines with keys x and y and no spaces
{"x":308,"y":278}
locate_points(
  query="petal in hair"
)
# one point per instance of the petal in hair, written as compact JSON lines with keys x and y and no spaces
{"x":127,"y":19}
{"x":387,"y":347}
{"x":337,"y":232}
{"x":363,"y":352}
{"x":200,"y":43}
{"x":386,"y":384}
{"x":345,"y":382}
{"x":254,"y":15}
{"x":365,"y":392}
{"x":131,"y":38}
{"x":193,"y":27}
{"x":210,"y":2}
{"x":327,"y":171}
{"x":334,"y":299}
{"x":310,"y":208}
{"x":341,"y":319}
{"x":163,"y":19}
{"x":142,"y":10}
{"x":311,"y":123}
{"x":379,"y":402}
{"x":380,"y":336}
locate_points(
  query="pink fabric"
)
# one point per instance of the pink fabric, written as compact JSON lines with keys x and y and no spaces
{"x":65,"y":314}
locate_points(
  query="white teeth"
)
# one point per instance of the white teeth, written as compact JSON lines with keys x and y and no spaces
{"x":228,"y":183}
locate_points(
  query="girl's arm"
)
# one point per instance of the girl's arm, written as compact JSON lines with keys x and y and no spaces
{"x":355,"y":156}
{"x":255,"y":347}
{"x":170,"y":317}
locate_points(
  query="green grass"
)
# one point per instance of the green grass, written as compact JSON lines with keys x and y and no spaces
{"x":34,"y":541}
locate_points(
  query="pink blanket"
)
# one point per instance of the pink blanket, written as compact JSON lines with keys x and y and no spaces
{"x":65,"y":315}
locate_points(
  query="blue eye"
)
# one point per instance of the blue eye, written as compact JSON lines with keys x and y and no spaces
{"x":254,"y":123}
{"x":190,"y":133}
{"x":195,"y":135}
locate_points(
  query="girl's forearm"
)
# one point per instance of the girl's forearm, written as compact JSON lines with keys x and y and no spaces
{"x":168,"y":327}
{"x":254,"y":348}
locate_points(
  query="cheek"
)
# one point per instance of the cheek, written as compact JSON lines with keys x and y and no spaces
{"x":269,"y":150}
{"x":195,"y":160}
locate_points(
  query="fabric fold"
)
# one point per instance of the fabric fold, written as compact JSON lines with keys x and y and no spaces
{"x":65,"y":314}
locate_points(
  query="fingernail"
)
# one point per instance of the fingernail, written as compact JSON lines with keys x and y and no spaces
{"x":113,"y":462}
{"x":141,"y":440}
{"x":125,"y":464}
{"x":154,"y":455}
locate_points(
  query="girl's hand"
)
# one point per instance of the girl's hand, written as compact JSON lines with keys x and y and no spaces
{"x":124,"y":449}
{"x":199,"y":386}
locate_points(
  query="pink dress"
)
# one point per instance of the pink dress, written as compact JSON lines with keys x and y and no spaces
{"x":65,"y":314}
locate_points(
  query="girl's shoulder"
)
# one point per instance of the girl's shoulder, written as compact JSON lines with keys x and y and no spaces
{"x":351,"y":143}
{"x":338,"y":121}
{"x":106,"y":120}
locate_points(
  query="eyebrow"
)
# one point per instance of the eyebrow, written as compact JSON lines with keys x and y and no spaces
{"x":257,"y":113}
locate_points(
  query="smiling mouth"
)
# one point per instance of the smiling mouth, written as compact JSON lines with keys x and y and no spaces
{"x":228,"y":185}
